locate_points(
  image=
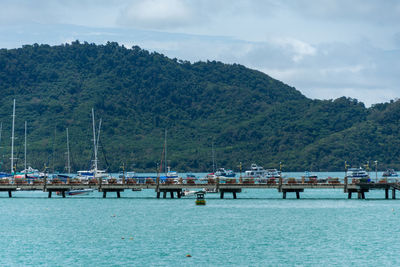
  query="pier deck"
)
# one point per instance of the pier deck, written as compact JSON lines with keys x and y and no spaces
{"x":222,"y":188}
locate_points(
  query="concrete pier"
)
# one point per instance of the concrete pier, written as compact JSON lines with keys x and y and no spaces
{"x":282,"y":186}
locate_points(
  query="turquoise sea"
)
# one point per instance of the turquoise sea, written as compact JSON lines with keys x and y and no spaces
{"x":257,"y":229}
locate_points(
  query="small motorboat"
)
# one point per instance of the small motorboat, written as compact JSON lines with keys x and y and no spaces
{"x":390,"y":173}
{"x":80,"y":192}
{"x":200,"y":200}
{"x":188,"y":193}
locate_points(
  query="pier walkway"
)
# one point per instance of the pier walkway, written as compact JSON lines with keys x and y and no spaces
{"x":232,"y":186}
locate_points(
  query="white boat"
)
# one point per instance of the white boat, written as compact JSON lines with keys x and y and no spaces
{"x":188,"y":193}
{"x":390,"y":173}
{"x":273,"y":173}
{"x":256,"y":171}
{"x":357,"y":173}
{"x":221,"y":172}
{"x":78,"y":192}
{"x":94,"y":172}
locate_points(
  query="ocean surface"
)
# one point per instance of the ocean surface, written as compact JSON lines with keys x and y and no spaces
{"x":323,"y":228}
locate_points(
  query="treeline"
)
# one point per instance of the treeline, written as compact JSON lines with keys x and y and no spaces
{"x":247,"y":115}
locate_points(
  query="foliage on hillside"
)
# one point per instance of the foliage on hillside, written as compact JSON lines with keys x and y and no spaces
{"x":249,"y":116}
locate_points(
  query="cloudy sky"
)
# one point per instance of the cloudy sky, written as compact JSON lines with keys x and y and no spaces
{"x":324,"y":48}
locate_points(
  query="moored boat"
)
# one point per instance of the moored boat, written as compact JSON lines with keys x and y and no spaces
{"x":221,"y":172}
{"x":256,"y":171}
{"x":390,"y":173}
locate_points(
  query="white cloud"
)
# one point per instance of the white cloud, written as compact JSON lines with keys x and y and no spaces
{"x":299,"y":48}
{"x":156,"y":14}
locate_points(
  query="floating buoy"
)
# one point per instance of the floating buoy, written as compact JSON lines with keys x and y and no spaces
{"x":188,"y":255}
{"x":122,"y":238}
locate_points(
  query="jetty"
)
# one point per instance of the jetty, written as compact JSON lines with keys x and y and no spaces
{"x":232,"y":186}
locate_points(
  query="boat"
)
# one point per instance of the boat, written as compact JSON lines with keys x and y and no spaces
{"x":77,"y":192}
{"x":210,"y":190}
{"x":309,"y":178}
{"x":200,"y":200}
{"x":221,"y":172}
{"x":256,"y":171}
{"x":188,"y":193}
{"x":357,"y":173}
{"x":94,"y":173}
{"x":272,"y":173}
{"x":390,"y":173}
{"x":80,"y":192}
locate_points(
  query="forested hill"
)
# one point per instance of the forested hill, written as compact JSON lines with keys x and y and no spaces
{"x":249,"y":116}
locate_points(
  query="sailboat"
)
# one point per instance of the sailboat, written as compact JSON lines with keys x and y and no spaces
{"x":169,"y":175}
{"x":93,"y":175}
{"x":2,"y":174}
{"x":28,"y":173}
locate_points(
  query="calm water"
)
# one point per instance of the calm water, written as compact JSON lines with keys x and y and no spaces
{"x":258,"y":229}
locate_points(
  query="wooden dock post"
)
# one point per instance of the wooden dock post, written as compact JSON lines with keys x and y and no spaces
{"x":222,"y":195}
{"x":118,"y":194}
{"x":284,"y":195}
{"x":158,"y":194}
{"x":297,"y":194}
{"x":63,"y":193}
{"x":386,"y":193}
{"x":104,"y":194}
{"x":49,"y":196}
{"x":393,"y":193}
{"x":346,"y":183}
{"x":172,"y":194}
{"x":179,"y":194}
{"x":234,"y":195}
{"x":9,"y":194}
{"x":359,"y":195}
{"x":165,"y":194}
{"x":349,"y":195}
{"x":280,"y":185}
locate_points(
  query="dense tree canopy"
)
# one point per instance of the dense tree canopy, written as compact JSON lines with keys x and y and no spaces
{"x":249,"y":116}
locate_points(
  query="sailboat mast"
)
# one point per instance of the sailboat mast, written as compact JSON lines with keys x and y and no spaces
{"x":94,"y":144}
{"x":1,"y":130}
{"x":12,"y":139}
{"x":165,"y":154}
{"x":213,"y":158}
{"x":98,"y":137}
{"x":68,"y":161}
{"x":25,"y":147}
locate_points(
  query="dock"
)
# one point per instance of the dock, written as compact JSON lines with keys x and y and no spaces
{"x":232,"y":186}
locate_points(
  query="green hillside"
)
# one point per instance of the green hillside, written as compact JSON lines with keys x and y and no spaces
{"x":249,"y":116}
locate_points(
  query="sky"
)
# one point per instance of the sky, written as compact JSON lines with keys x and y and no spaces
{"x":324,"y":48}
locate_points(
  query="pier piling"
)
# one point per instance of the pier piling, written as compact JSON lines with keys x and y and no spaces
{"x":49,"y":196}
{"x":104,"y":194}
{"x":349,"y":195}
{"x":386,"y":193}
{"x":393,"y":193}
{"x":222,"y":195}
{"x":118,"y":194}
{"x":9,"y":194}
